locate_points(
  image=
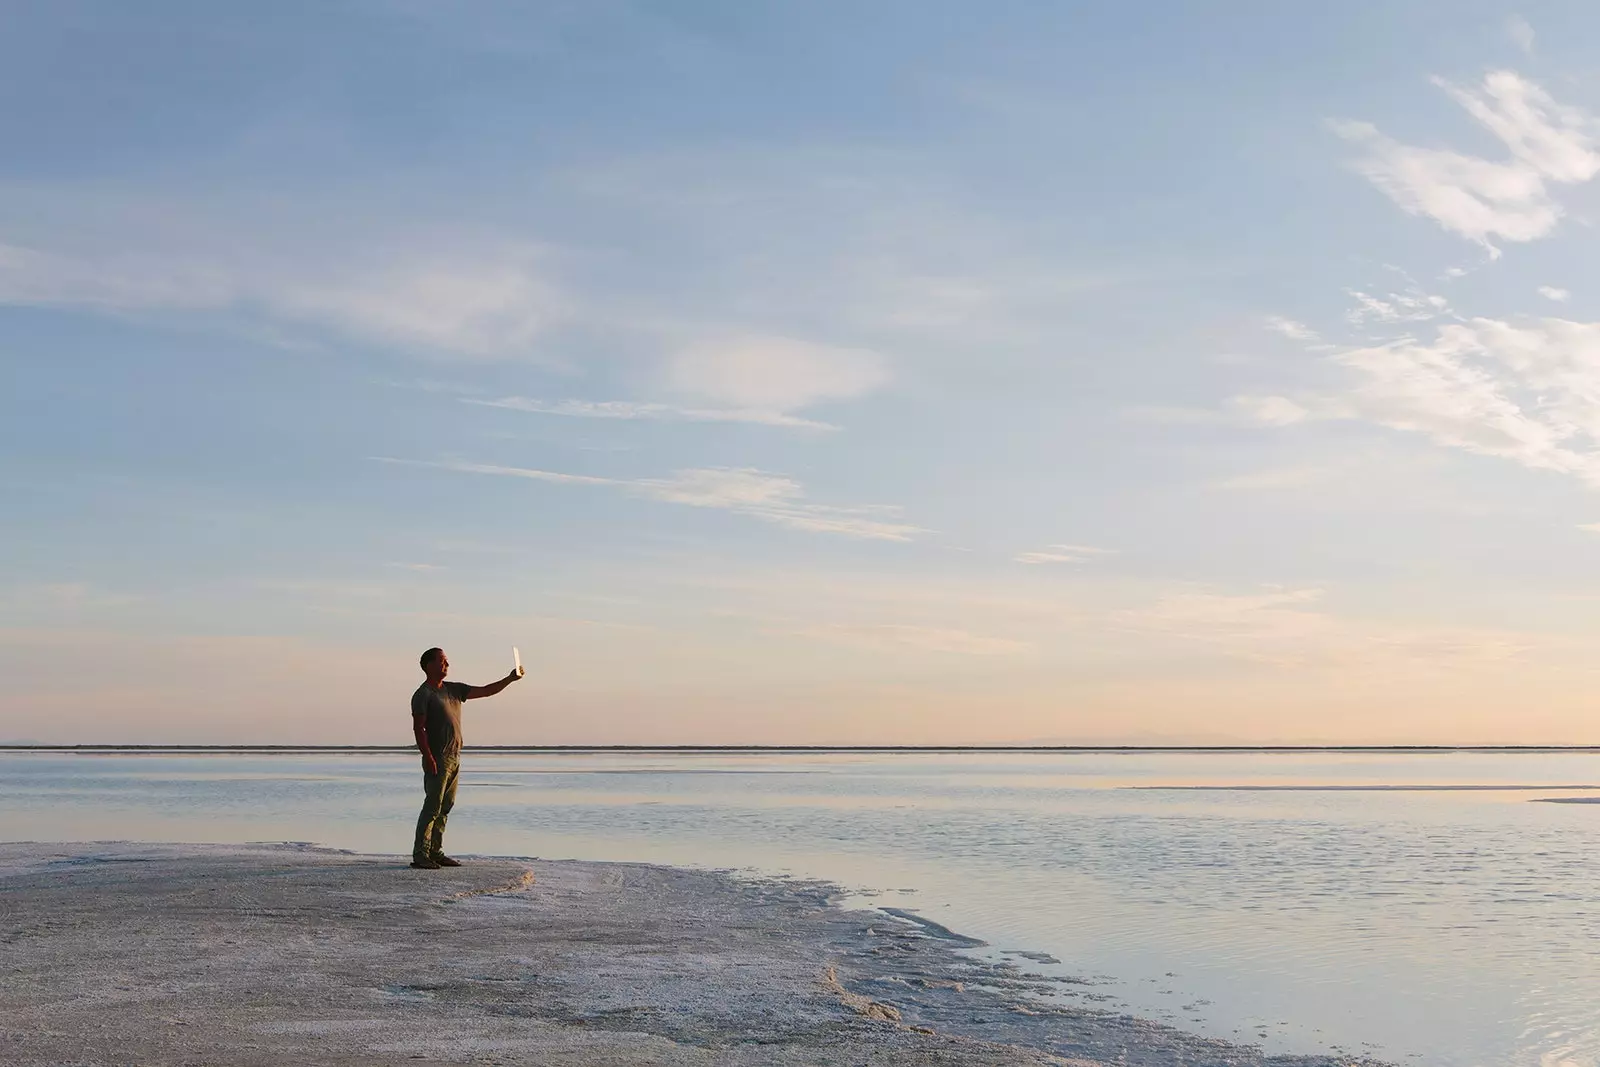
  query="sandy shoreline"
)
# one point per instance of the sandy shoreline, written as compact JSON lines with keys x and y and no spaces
{"x":146,"y":954}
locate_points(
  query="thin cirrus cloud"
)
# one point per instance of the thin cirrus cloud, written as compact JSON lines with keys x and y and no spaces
{"x":1290,"y":328}
{"x":1062,"y":554}
{"x":1283,"y":627}
{"x":1520,"y":32}
{"x":1277,"y":479}
{"x":771,"y":498}
{"x":642,"y":410}
{"x":1411,"y":306}
{"x":1271,"y":410}
{"x":1530,"y":393}
{"x":760,"y":380}
{"x":1483,"y":199}
{"x":478,"y":302}
{"x":765,"y":373}
{"x":1526,"y":392}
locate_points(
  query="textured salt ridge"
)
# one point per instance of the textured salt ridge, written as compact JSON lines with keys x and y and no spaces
{"x":133,"y":954}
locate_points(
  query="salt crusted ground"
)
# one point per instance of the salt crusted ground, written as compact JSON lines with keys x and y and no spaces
{"x":135,"y":954}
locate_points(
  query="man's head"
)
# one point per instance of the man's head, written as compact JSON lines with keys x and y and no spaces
{"x":435,"y":664}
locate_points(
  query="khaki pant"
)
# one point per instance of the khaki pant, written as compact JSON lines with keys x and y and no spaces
{"x":439,"y":797}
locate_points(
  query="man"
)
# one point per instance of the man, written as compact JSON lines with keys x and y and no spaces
{"x":436,"y":722}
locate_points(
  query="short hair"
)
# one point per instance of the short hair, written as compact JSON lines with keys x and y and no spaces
{"x":428,"y":656}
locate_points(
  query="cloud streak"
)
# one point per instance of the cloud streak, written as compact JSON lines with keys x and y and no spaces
{"x":1290,"y":328}
{"x":1282,"y":627}
{"x":1520,"y":32}
{"x":1411,"y":306}
{"x":649,"y":411}
{"x":766,"y":373}
{"x":1528,"y":393}
{"x":771,"y":498}
{"x":476,"y":301}
{"x":1062,"y":554}
{"x":1482,"y":199}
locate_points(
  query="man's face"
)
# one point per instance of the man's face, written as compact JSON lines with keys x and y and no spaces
{"x":441,"y":665}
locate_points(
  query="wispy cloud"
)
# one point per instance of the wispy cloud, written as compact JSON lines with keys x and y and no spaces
{"x":765,"y":373}
{"x":1283,"y":627}
{"x":60,"y":597}
{"x":1270,"y":410}
{"x":1298,"y":476}
{"x":1271,"y":626}
{"x":1246,"y":409}
{"x":771,"y":498}
{"x":1529,"y":393}
{"x":1520,"y":32}
{"x":637,"y":410}
{"x":1294,"y":331}
{"x":759,"y":380}
{"x":1227,"y":610}
{"x":1478,"y":198}
{"x":469,"y":300}
{"x":1414,"y":305}
{"x":1063,"y":554}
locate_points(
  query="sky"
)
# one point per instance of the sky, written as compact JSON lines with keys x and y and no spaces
{"x":814,"y":373}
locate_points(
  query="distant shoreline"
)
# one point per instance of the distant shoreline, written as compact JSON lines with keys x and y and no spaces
{"x":812,"y":748}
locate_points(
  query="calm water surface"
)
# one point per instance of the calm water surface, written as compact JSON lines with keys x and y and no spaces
{"x":1302,"y":902}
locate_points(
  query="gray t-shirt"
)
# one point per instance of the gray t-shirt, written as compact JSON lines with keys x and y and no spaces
{"x":441,"y":712}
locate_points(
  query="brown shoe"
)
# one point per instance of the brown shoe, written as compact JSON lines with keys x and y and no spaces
{"x":426,"y":865}
{"x":441,"y":860}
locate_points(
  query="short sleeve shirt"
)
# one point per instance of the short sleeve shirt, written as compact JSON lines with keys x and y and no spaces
{"x":441,"y":712}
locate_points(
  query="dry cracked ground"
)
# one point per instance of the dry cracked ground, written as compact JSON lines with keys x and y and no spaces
{"x":147,"y":955}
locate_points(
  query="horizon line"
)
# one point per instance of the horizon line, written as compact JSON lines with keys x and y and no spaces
{"x":89,"y":746}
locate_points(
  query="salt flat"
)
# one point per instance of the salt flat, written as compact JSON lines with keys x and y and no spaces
{"x":148,"y":954}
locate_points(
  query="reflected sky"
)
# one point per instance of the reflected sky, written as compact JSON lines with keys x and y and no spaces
{"x":1449,"y":926}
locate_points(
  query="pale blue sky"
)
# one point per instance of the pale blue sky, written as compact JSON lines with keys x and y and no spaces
{"x":802,"y":372}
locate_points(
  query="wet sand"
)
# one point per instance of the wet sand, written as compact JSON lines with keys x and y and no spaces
{"x":140,"y":954}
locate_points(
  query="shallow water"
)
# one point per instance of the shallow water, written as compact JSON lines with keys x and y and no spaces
{"x":1304,"y":902}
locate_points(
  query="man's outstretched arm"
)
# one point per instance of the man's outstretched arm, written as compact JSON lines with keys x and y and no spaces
{"x":476,"y":691}
{"x":419,"y":728}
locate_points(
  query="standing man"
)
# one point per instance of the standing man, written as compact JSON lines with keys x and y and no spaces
{"x":436,"y":722}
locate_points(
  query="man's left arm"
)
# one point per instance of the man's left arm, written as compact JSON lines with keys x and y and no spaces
{"x":475,"y":691}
